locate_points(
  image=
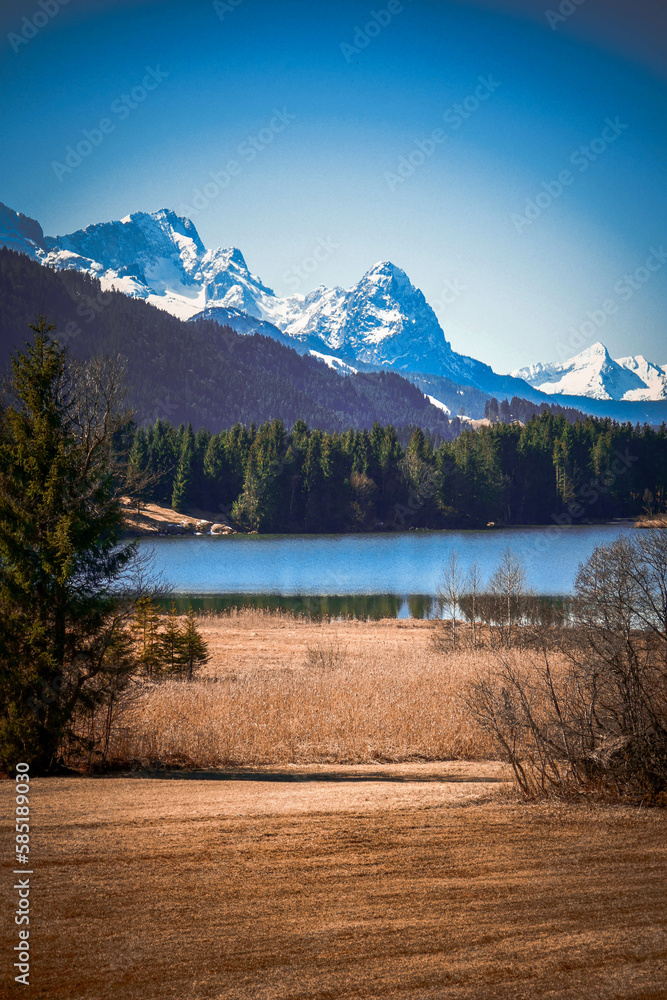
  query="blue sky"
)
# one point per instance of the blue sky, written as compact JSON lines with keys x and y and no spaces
{"x":365,"y":153}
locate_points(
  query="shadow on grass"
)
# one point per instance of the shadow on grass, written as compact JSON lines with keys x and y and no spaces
{"x":309,"y":776}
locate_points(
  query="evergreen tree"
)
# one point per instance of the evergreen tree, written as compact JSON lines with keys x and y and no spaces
{"x":60,"y":529}
{"x":138,"y":463}
{"x":215,"y":472}
{"x":146,"y":629}
{"x":264,"y":498}
{"x":182,"y":494}
{"x":193,"y":650}
{"x":163,"y":457}
{"x":313,"y":483}
{"x":171,"y":642}
{"x":247,"y":510}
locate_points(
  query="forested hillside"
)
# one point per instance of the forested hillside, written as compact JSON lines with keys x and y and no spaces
{"x":270,"y":480}
{"x":201,"y":373}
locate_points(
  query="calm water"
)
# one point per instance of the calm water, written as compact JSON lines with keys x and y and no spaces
{"x":337,"y":573}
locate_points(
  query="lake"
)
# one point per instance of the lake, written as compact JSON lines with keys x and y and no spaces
{"x":373,"y":575}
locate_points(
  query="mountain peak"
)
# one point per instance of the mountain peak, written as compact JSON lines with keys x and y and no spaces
{"x":385,"y":267}
{"x":596,"y":350}
{"x":594,"y":373}
{"x":16,"y":228}
{"x":383,"y":321}
{"x":168,"y":221}
{"x":237,"y":257}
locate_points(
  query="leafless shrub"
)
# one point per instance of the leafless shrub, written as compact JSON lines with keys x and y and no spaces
{"x":585,"y":711}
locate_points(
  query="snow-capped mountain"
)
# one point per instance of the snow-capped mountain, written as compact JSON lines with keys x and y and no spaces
{"x":594,"y":373}
{"x":158,"y":257}
{"x":381,"y":322}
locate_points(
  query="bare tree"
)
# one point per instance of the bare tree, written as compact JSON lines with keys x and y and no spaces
{"x":451,"y":590}
{"x":585,"y":710}
{"x":470,"y":598}
{"x":508,"y":587}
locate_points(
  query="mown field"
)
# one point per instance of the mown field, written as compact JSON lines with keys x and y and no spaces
{"x":392,"y":881}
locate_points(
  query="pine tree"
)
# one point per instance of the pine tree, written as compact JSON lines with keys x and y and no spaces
{"x":183,"y":484}
{"x":215,"y":472}
{"x":163,"y":457}
{"x":264,"y":497}
{"x":137,"y":470}
{"x":313,"y":482}
{"x":60,"y":529}
{"x":146,"y":629}
{"x":193,"y":651}
{"x":171,"y":642}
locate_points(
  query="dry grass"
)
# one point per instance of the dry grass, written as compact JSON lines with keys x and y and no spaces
{"x":651,"y":521}
{"x":191,"y":889}
{"x":283,"y":690}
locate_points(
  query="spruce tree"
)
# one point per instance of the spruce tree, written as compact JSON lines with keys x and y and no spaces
{"x":171,"y":642}
{"x":60,"y":529}
{"x":264,"y":498}
{"x":146,"y":629}
{"x":137,"y":471}
{"x":183,"y":484}
{"x":193,"y":651}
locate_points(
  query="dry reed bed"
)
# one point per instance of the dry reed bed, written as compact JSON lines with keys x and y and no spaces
{"x":343,"y":703}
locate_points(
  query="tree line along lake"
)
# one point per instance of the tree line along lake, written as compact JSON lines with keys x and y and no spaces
{"x":366,"y":575}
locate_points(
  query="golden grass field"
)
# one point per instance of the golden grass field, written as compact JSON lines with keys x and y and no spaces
{"x":323,"y":846}
{"x":280,"y":689}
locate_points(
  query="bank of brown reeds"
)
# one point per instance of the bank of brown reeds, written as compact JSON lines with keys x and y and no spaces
{"x":342,"y":702}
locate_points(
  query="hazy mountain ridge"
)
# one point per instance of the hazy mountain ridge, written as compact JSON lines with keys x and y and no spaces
{"x":595,"y":374}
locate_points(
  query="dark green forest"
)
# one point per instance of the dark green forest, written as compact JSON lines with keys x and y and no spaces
{"x":269,"y":479}
{"x":307,"y":449}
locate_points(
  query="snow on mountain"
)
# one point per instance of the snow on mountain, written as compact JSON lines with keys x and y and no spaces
{"x":335,"y":363}
{"x":595,"y":374}
{"x":382,"y":321}
{"x":440,"y":406}
{"x":653,"y":376}
{"x":18,"y":232}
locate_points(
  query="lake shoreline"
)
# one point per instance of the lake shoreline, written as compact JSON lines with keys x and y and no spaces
{"x":156,"y":521}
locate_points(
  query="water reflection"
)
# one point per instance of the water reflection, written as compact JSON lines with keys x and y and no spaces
{"x":544,"y":609}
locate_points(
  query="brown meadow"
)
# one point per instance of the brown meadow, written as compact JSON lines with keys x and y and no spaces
{"x":280,"y":690}
{"x":316,"y":817}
